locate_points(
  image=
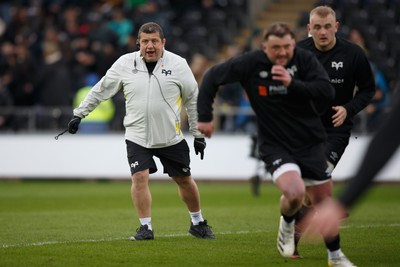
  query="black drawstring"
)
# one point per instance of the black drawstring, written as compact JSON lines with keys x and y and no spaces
{"x":56,"y":137}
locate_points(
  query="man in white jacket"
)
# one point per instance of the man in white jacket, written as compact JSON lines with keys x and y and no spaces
{"x":156,"y":84}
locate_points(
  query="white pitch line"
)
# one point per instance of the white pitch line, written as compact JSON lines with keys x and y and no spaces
{"x":168,"y":235}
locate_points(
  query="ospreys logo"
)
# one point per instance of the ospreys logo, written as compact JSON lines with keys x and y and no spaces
{"x":337,"y":65}
{"x":166,"y":72}
{"x":134,"y":164}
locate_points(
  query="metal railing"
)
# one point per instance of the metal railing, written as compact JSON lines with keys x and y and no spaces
{"x":33,"y":119}
{"x":227,"y":119}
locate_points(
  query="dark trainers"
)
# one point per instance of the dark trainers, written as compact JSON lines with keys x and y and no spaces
{"x":143,"y":233}
{"x":202,"y":230}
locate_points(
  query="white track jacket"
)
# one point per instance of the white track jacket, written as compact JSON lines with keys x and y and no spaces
{"x":153,"y":101}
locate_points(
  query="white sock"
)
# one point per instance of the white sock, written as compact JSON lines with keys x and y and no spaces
{"x":335,"y":254}
{"x":146,"y":221}
{"x":196,"y":217}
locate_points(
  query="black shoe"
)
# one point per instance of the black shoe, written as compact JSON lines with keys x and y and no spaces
{"x":143,"y":233}
{"x":202,"y":230}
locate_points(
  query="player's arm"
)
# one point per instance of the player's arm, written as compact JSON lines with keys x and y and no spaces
{"x":381,"y":148}
{"x":313,"y":82}
{"x":365,"y":82}
{"x":220,"y":74}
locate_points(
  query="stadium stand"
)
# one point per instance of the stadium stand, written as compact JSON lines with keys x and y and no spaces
{"x":91,"y":34}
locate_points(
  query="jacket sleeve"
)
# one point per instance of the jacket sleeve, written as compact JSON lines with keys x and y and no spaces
{"x":365,"y":83}
{"x":189,"y":93}
{"x":107,"y":87}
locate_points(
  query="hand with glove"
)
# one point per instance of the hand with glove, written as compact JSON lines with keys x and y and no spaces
{"x":73,"y":125}
{"x":199,"y":146}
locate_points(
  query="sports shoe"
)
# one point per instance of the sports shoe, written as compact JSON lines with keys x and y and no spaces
{"x":285,"y":241}
{"x":203,"y":230}
{"x":143,"y":233}
{"x":342,"y":261}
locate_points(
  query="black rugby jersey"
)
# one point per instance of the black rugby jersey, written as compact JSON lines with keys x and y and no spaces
{"x":347,"y":67}
{"x":285,"y":116}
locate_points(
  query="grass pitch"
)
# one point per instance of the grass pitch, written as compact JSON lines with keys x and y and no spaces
{"x":78,"y":223}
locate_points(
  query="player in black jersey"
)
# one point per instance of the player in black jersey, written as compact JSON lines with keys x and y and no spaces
{"x":283,"y":84}
{"x":381,"y":148}
{"x":350,"y":74}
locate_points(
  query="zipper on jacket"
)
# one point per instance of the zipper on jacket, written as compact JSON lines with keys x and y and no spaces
{"x":147,"y":127}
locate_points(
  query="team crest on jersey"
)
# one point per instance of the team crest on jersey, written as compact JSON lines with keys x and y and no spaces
{"x":337,"y":65}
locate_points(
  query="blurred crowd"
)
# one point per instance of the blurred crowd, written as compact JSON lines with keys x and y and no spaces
{"x":50,"y":49}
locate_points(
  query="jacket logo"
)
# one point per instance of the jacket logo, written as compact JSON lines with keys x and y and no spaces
{"x":166,"y":72}
{"x":337,"y":65}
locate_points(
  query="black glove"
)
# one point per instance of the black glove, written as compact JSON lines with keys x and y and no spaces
{"x":199,"y":146}
{"x":73,"y":125}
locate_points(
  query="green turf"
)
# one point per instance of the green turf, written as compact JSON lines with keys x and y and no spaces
{"x":77,"y":223}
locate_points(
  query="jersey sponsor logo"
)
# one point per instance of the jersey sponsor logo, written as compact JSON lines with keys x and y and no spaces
{"x":134,"y":164}
{"x":337,"y":65}
{"x":262,"y":90}
{"x":166,"y":72}
{"x":277,"y":90}
{"x":336,"y":80}
{"x":272,"y":90}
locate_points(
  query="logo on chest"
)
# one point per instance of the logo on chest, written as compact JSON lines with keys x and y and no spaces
{"x":337,"y":65}
{"x":166,"y":72}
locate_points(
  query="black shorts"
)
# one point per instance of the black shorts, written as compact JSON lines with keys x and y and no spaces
{"x":311,"y":161}
{"x":175,"y":159}
{"x":335,"y":146}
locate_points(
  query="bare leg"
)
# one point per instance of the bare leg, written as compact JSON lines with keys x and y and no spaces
{"x":188,"y":192}
{"x":293,"y":191}
{"x":140,"y":192}
{"x":318,"y":194}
